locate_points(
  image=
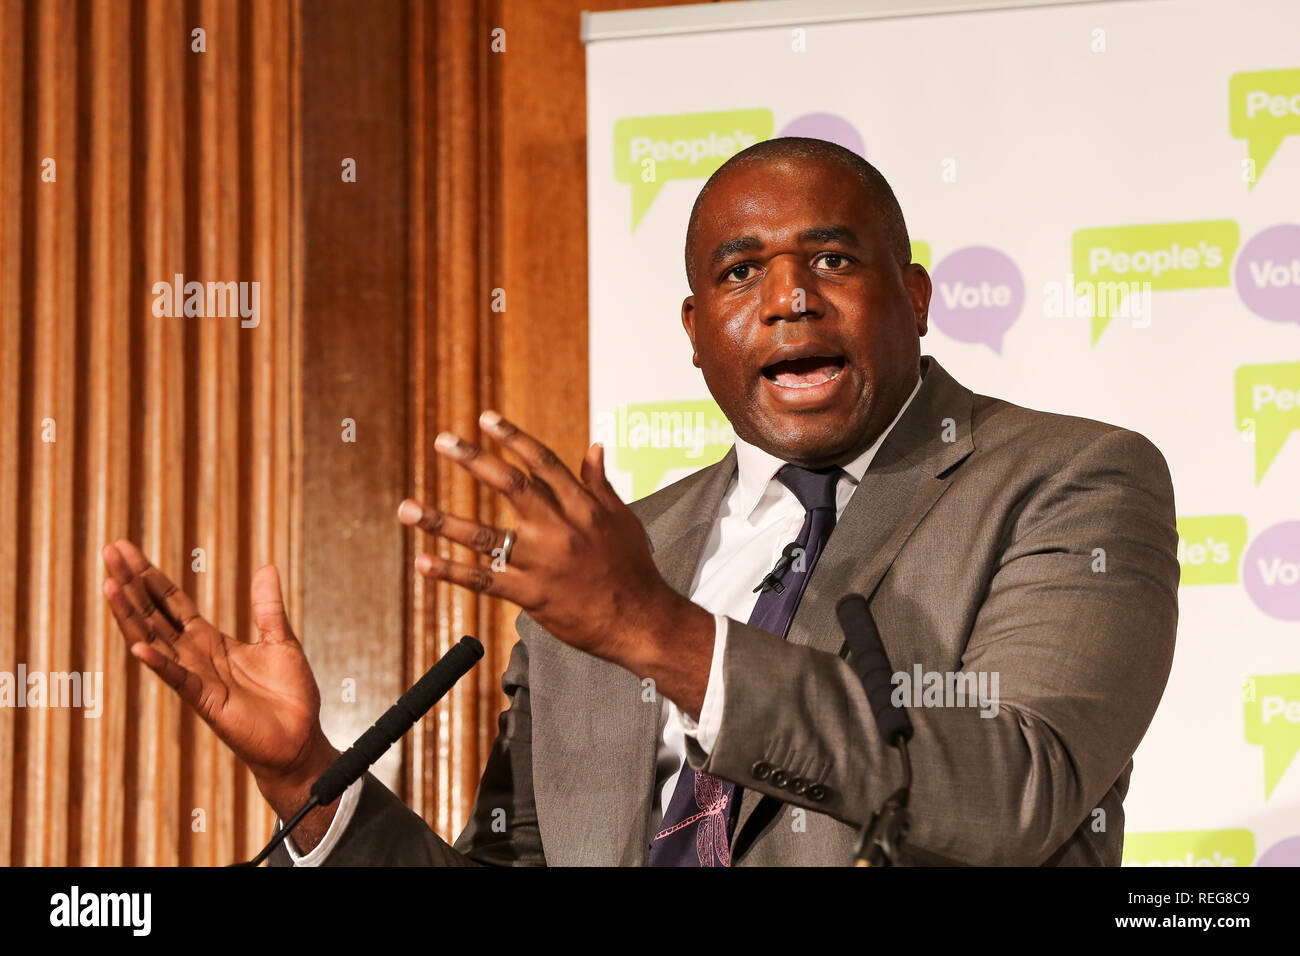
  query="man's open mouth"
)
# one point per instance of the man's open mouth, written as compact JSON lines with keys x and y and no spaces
{"x":805,"y":372}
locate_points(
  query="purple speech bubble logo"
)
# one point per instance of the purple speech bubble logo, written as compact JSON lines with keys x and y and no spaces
{"x":1267,"y":274}
{"x":827,"y":126}
{"x":978,"y":294}
{"x":1271,"y":571}
{"x":1283,"y":853}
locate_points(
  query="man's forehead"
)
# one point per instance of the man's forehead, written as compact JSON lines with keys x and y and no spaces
{"x":763,"y":197}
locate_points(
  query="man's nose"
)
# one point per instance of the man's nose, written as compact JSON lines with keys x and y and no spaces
{"x":790,"y":291}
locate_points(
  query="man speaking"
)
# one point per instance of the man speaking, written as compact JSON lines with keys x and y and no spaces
{"x":666,"y":709}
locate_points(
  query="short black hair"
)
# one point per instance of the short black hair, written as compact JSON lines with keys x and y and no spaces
{"x":804,"y":148}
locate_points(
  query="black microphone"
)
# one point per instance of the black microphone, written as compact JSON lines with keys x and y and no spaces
{"x":884,"y":833}
{"x":386,"y":731}
{"x":772,"y":580}
{"x":872,"y":665}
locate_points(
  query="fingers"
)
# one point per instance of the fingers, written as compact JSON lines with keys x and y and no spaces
{"x":151,"y":621}
{"x":164,"y":593}
{"x":268,"y":607}
{"x":174,"y":602}
{"x":482,"y":538}
{"x":504,"y":583}
{"x":539,"y":458}
{"x":594,"y":477}
{"x":186,"y":684}
{"x":135,"y":628}
{"x":499,"y":581}
{"x":525,"y":493}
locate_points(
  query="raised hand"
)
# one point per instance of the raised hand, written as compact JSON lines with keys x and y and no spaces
{"x":260,"y":698}
{"x":578,"y":561}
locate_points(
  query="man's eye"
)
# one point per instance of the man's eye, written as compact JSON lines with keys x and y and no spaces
{"x":833,"y":260}
{"x":734,"y":270}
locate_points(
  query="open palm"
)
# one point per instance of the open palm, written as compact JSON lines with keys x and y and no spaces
{"x":259,"y":698}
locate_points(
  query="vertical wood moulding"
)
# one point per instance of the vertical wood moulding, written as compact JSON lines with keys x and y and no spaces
{"x":220,"y":445}
{"x":248,"y":503}
{"x":418,"y":783}
{"x":495,"y":617}
{"x":53,"y":317}
{"x":446,"y":375}
{"x":137,"y":388}
{"x":229,"y":570}
{"x":457,"y":281}
{"x":12,"y":186}
{"x":291,"y":334}
{"x":205,"y":214}
{"x":154,"y":802}
{"x":79,"y":331}
{"x":108,"y":477}
{"x":272,"y":431}
{"x":191,"y":772}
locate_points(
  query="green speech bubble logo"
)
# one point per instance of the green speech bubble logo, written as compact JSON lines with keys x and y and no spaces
{"x":1263,"y":109}
{"x":1272,"y":703}
{"x":1268,"y":408}
{"x":651,"y":150}
{"x":651,"y":439}
{"x":921,"y":253}
{"x":1190,"y":848}
{"x":1113,"y":262}
{"x":1209,"y":548}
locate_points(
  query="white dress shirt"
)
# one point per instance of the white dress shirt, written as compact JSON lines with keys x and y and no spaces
{"x":758,"y":518}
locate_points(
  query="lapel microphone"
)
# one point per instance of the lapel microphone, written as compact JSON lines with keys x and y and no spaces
{"x":772,"y":580}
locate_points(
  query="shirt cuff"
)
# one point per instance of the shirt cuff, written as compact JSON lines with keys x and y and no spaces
{"x":705,"y":731}
{"x":347,"y":806}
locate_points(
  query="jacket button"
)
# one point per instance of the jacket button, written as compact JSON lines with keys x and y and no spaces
{"x":798,"y":785}
{"x":761,"y":770}
{"x":817,"y":792}
{"x":780,"y":778}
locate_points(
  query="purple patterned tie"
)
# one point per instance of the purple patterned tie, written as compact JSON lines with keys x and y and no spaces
{"x":696,"y":826}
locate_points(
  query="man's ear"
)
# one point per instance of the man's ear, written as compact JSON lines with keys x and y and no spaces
{"x":919,"y":288}
{"x":688,"y":323}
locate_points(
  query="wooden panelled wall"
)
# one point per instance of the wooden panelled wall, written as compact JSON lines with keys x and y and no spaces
{"x":127,"y":157}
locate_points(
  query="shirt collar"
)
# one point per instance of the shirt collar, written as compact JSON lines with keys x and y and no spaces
{"x":757,"y":468}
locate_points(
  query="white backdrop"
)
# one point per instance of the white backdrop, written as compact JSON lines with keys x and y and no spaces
{"x":1007,"y":134}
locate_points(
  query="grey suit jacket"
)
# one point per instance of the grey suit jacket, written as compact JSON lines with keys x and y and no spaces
{"x":997,"y":539}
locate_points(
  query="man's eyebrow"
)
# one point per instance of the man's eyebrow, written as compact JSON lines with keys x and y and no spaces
{"x":840,"y":234}
{"x":730,"y":247}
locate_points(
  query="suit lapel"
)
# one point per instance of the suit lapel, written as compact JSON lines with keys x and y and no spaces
{"x":678,"y":535}
{"x":907,"y":476}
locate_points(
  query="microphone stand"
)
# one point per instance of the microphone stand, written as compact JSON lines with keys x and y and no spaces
{"x":883,"y":835}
